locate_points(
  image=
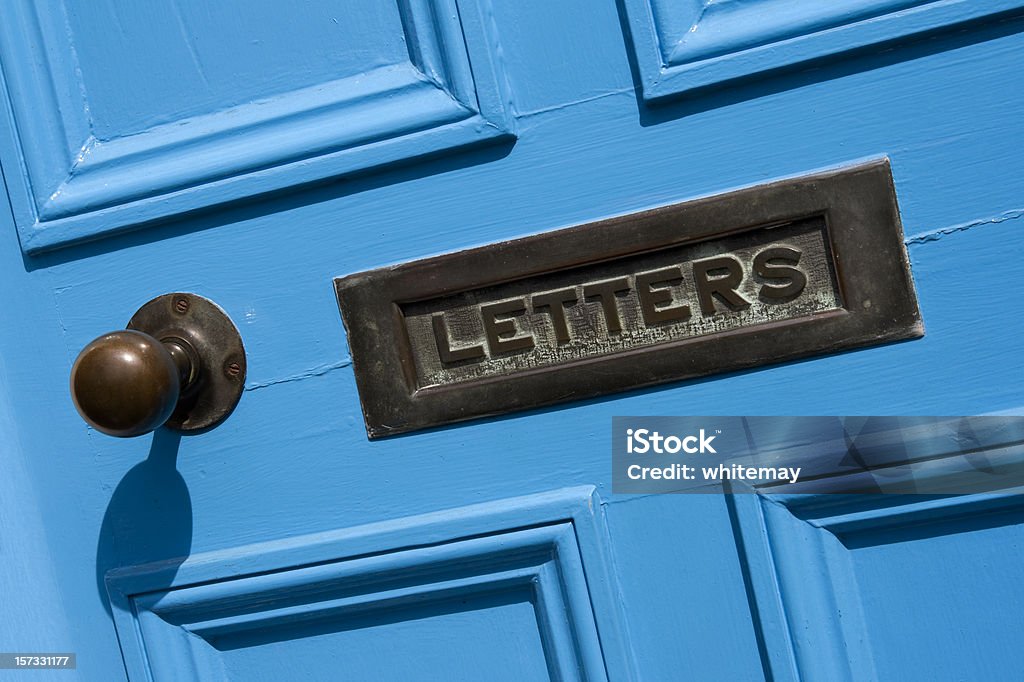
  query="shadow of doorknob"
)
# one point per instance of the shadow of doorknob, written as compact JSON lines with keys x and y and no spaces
{"x":179,"y":363}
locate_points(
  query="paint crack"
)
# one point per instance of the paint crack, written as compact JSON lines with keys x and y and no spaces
{"x":307,"y":374}
{"x":935,"y":235}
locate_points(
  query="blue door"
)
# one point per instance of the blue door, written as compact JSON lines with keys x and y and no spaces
{"x":251,"y":152}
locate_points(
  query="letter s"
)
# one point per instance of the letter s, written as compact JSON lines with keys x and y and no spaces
{"x":779,"y":263}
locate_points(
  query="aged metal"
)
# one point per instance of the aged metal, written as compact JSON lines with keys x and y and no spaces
{"x":127,"y":383}
{"x":766,"y":274}
{"x":180,"y":363}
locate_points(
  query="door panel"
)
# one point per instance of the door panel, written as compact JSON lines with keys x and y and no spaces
{"x":125,"y":115}
{"x":305,"y":156}
{"x":924,"y":587}
{"x":533,"y":601}
{"x":683,"y":46}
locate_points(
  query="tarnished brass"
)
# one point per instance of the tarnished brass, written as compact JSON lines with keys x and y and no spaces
{"x":767,"y":274}
{"x":683,"y":292}
{"x":180,"y":363}
{"x":127,"y":383}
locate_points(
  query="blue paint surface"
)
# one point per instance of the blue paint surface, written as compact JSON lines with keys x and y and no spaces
{"x":552,"y":129}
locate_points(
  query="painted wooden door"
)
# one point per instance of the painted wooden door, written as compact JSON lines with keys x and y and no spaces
{"x":253,"y":151}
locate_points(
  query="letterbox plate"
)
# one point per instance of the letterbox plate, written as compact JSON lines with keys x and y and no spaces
{"x":785,"y":270}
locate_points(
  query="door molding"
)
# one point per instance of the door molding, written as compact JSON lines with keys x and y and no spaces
{"x":796,"y":552}
{"x":66,"y":184}
{"x":551,"y":545}
{"x":684,"y":46}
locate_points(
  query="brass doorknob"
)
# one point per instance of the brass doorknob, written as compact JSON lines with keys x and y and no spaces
{"x":127,"y":383}
{"x":179,"y":363}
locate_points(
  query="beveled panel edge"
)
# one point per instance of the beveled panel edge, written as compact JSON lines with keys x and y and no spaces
{"x":578,"y":507}
{"x":664,"y":78}
{"x":467,"y":106}
{"x":778,"y":560}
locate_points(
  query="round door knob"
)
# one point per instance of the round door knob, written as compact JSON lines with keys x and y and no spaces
{"x":127,"y":383}
{"x":180,"y":363}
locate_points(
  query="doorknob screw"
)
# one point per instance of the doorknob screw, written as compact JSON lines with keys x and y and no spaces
{"x":181,"y":305}
{"x":233,"y":369}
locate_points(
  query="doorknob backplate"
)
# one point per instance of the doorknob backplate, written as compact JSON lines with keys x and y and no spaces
{"x":212,"y":394}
